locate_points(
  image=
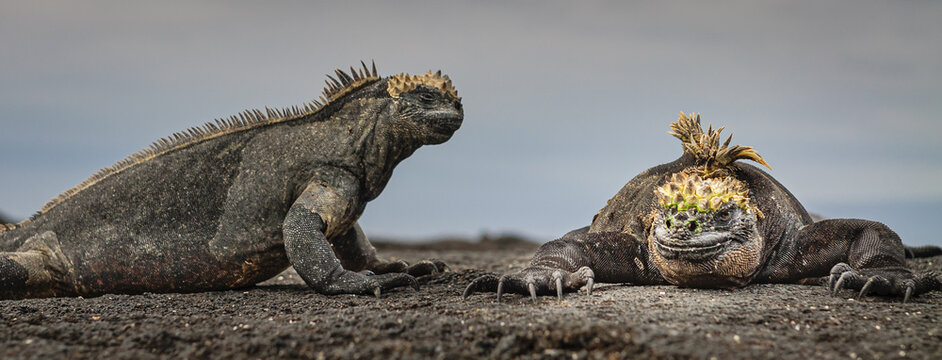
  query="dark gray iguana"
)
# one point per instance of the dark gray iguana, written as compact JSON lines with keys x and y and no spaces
{"x":706,"y":221}
{"x":237,"y":201}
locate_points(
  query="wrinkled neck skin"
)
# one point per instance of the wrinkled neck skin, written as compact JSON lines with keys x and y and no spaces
{"x":377,"y":141}
{"x":730,"y":265}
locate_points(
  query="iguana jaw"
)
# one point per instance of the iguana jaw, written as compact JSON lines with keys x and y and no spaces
{"x":442,"y":124}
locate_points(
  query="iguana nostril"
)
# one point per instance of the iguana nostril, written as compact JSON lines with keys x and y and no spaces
{"x":692,"y":225}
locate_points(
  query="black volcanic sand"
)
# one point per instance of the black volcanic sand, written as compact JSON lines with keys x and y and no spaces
{"x":282,"y":318}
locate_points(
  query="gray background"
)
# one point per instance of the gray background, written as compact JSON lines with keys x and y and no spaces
{"x":565,"y":101}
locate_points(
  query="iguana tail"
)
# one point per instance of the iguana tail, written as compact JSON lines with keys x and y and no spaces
{"x":922,"y":251}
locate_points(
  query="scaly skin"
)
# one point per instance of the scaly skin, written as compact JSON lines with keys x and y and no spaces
{"x":239,"y":206}
{"x":636,"y":239}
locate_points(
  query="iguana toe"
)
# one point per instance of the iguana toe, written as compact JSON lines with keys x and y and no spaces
{"x":487,"y":282}
{"x":427,"y":267}
{"x":836,"y":273}
{"x":361,"y":284}
{"x":386,"y":267}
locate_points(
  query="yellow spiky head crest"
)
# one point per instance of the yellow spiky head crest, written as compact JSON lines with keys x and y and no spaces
{"x":401,"y":83}
{"x":685,"y":190}
{"x":706,"y":147}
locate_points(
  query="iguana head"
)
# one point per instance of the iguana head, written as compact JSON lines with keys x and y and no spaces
{"x":428,"y":105}
{"x":425,"y":108}
{"x":704,"y":230}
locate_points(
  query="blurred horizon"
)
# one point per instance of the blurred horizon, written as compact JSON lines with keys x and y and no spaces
{"x":564,"y":101}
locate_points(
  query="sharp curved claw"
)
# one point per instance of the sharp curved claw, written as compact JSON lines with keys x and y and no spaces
{"x":532,"y":290}
{"x":415,"y":283}
{"x":588,"y":286}
{"x":500,"y":289}
{"x":840,"y":282}
{"x":865,"y":289}
{"x":377,"y":292}
{"x":467,"y":291}
{"x":559,"y":289}
{"x":831,"y":280}
{"x":909,"y":292}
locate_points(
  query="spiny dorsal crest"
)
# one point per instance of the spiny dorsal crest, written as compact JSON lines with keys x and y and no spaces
{"x":707,"y":148}
{"x":688,"y":190}
{"x":401,"y":83}
{"x":336,"y":88}
{"x":347,"y":83}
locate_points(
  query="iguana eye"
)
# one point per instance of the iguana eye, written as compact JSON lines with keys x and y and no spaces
{"x":723,"y":215}
{"x":427,"y":97}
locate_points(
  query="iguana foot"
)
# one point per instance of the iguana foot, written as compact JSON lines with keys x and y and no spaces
{"x":366,"y":283}
{"x":421,"y":268}
{"x":882,"y":281}
{"x":534,"y":281}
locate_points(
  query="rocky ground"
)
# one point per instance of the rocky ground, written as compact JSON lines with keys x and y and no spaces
{"x":282,"y":318}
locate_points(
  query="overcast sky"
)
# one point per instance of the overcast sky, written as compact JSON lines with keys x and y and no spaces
{"x":565,"y":101}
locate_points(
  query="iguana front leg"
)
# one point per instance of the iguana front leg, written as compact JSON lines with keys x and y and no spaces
{"x":849,"y":254}
{"x":575,"y":260}
{"x":317,"y":213}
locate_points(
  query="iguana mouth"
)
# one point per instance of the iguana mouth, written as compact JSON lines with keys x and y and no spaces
{"x":699,"y":248}
{"x":445,"y":122}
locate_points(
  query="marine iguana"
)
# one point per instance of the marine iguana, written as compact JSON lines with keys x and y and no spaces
{"x":707,"y":221}
{"x":236,"y":201}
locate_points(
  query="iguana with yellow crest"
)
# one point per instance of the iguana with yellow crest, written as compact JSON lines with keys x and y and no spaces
{"x":238,"y":200}
{"x":708,"y":221}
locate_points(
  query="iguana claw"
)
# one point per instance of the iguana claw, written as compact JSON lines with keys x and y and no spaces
{"x":893,"y":281}
{"x":840,"y":281}
{"x":559,"y":288}
{"x":500,"y":289}
{"x":865,"y":289}
{"x":534,"y":281}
